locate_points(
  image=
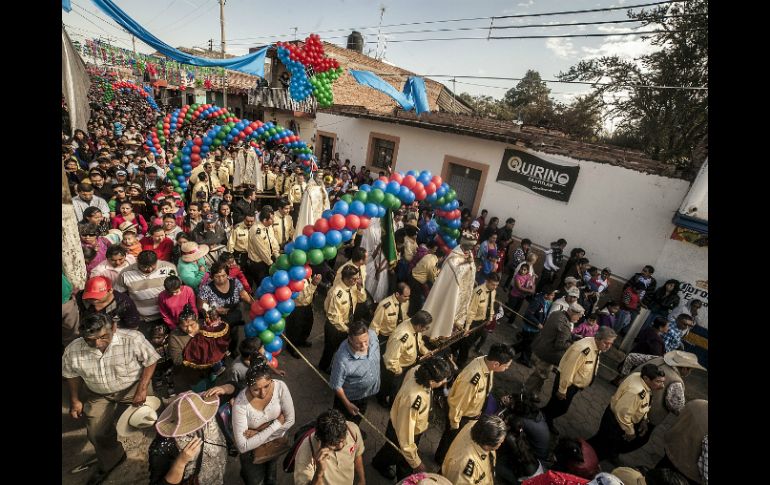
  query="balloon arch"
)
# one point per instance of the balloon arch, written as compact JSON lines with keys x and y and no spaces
{"x":127,"y":86}
{"x":277,"y":292}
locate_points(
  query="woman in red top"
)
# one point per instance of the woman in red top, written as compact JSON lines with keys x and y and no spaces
{"x":127,"y":214}
{"x":157,"y":242}
{"x":629,"y":307}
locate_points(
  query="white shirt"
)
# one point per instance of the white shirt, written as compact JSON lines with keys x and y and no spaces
{"x":245,"y":416}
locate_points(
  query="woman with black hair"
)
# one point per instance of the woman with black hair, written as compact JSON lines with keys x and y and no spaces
{"x":522,"y":409}
{"x":95,"y":216}
{"x":516,"y":461}
{"x":262,"y":415}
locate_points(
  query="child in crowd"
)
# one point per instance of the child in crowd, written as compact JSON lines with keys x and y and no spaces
{"x":588,"y":328}
{"x":131,"y":242}
{"x":162,"y":378}
{"x":174,"y":299}
{"x":210,"y":340}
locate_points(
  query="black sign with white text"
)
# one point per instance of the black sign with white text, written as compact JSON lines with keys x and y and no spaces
{"x":532,"y":174}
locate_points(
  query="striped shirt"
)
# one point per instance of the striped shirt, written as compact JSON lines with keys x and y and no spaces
{"x":145,"y":288}
{"x":118,"y":368}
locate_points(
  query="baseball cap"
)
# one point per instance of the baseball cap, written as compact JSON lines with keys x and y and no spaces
{"x":96,"y":288}
{"x":121,"y":173}
{"x":570,"y":279}
{"x":576,"y":308}
{"x":210,"y":218}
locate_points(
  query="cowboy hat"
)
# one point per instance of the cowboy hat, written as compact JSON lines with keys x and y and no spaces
{"x":186,"y":414}
{"x":127,"y":226}
{"x":680,"y":358}
{"x":134,"y":420}
{"x":192,"y":251}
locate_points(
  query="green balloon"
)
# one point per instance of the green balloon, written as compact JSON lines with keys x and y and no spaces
{"x":278,"y":326}
{"x":179,"y":190}
{"x":388,"y":199}
{"x":193,"y":107}
{"x":298,"y":257}
{"x":231,"y":124}
{"x":396,"y":204}
{"x":283,"y":262}
{"x":216,"y":142}
{"x":360,"y":196}
{"x":175,"y":182}
{"x":178,"y":170}
{"x":315,"y":256}
{"x":455,"y":233}
{"x":448,"y":197}
{"x":347,"y":198}
{"x":440,"y":200}
{"x":188,"y":116}
{"x":273,"y":269}
{"x":330,"y":252}
{"x":266,"y":336}
{"x":222,"y":134}
{"x":375,"y":196}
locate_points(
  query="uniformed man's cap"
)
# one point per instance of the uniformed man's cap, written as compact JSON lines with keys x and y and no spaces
{"x":573,"y":292}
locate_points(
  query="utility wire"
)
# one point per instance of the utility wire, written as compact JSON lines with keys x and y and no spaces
{"x":560,"y":36}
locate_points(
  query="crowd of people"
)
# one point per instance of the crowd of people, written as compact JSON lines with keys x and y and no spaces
{"x":172,"y":274}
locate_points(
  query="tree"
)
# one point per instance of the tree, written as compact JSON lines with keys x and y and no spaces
{"x":671,"y":124}
{"x":582,"y":119}
{"x":530,"y":100}
{"x":487,"y":106}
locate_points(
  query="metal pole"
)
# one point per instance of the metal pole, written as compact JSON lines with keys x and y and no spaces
{"x":222,"y":29}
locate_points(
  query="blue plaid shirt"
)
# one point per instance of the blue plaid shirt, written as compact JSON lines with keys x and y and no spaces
{"x":358,"y":376}
{"x":673,"y":338}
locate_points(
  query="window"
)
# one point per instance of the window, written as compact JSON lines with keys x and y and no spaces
{"x":382,"y":155}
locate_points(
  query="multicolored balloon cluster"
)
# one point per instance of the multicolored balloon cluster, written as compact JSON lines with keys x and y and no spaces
{"x":146,"y":92}
{"x":321,"y":241}
{"x":311,"y":71}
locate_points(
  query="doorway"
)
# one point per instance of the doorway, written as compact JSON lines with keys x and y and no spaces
{"x":465,"y":181}
{"x":327,"y":149}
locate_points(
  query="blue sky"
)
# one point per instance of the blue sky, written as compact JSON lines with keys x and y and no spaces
{"x":250,"y":22}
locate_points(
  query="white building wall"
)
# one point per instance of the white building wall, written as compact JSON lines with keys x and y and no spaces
{"x":622,"y":218}
{"x":689,"y":264}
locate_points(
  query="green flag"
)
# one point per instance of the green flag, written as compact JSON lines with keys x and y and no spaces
{"x":389,"y":239}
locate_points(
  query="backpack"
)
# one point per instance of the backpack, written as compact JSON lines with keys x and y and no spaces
{"x":303,"y":432}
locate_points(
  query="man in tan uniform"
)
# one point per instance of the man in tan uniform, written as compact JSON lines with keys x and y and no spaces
{"x":423,"y":275}
{"x":283,"y":226}
{"x":390,"y":312}
{"x":238,"y":242}
{"x":577,"y":370}
{"x":332,"y":454}
{"x":481,"y":311}
{"x":471,"y":458}
{"x":262,"y":249}
{"x":469,"y":392}
{"x":624,"y":424}
{"x":403,"y":349}
{"x":409,"y":419}
{"x":299,"y":323}
{"x":268,"y":179}
{"x":295,"y":194}
{"x":358,"y":260}
{"x":283,"y":181}
{"x":340,"y":304}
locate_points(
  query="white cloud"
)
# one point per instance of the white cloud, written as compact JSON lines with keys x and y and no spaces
{"x":626,"y":47}
{"x":562,"y":47}
{"x":528,"y":4}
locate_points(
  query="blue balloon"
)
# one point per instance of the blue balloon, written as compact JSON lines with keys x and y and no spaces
{"x":187,"y":167}
{"x":259,"y":324}
{"x":452,"y":244}
{"x":454,"y":204}
{"x":186,"y":150}
{"x":297,"y":273}
{"x":269,"y":356}
{"x":381,"y":211}
{"x":180,"y":178}
{"x":347,"y":235}
{"x":185,"y":159}
{"x":341,"y":207}
{"x":455,"y":223}
{"x":424,"y":179}
{"x":267,"y":285}
{"x":327,"y":214}
{"x":427,"y":174}
{"x":301,"y":243}
{"x":441,"y":191}
{"x":393,"y":187}
{"x":409,"y":198}
{"x":403,"y":193}
{"x":288,"y":248}
{"x":379,"y":184}
{"x":317,"y":240}
{"x":295,"y":295}
{"x":286,"y":306}
{"x":372,"y":210}
{"x":272,"y":316}
{"x":356,"y":207}
{"x":365,"y":187}
{"x":446,"y":207}
{"x":413,"y":173}
{"x":259,"y":292}
{"x":250,"y":331}
{"x":275,"y":345}
{"x":280,"y":278}
{"x":431,"y":198}
{"x":334,"y":237}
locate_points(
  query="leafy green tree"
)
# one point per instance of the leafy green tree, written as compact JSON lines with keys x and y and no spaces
{"x":530,"y":100}
{"x":582,"y":119}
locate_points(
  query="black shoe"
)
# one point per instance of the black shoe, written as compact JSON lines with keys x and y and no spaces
{"x":305,"y":344}
{"x":388,"y":472}
{"x":293,"y":353}
{"x":100,"y":475}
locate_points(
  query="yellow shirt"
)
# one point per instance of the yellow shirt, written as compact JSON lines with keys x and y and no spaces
{"x":466,"y":462}
{"x":482,"y":306}
{"x":631,"y":402}
{"x":426,"y":269}
{"x":279,"y":179}
{"x":200,"y":187}
{"x":579,"y":364}
{"x":268,"y":180}
{"x":410,"y":247}
{"x":296,"y":191}
{"x":262,"y":244}
{"x":403,"y":348}
{"x":340,"y":465}
{"x":305,"y":297}
{"x":239,"y":239}
{"x":409,"y":415}
{"x":469,"y":391}
{"x":362,"y":273}
{"x":283,"y":227}
{"x":340,"y":304}
{"x":389,"y":313}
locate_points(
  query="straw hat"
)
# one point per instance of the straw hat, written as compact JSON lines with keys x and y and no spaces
{"x":192,"y":251}
{"x":680,"y":358}
{"x":186,"y":414}
{"x":128,"y":226}
{"x":134,"y":420}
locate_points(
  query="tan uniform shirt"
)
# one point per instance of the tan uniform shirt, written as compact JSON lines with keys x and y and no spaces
{"x":631,"y":402}
{"x":579,"y":364}
{"x":409,"y":415}
{"x":279,"y":181}
{"x":410,"y":247}
{"x":200,"y":187}
{"x":389,"y":313}
{"x":239,"y":239}
{"x":469,"y":391}
{"x":223,"y":174}
{"x":482,"y":305}
{"x":403,"y":348}
{"x":426,"y":269}
{"x":466,"y":462}
{"x":362,"y":274}
{"x":262,"y":244}
{"x":340,"y":465}
{"x":268,"y":180}
{"x":283,"y":227}
{"x":340,"y":304}
{"x":305,"y":297}
{"x":296,"y":191}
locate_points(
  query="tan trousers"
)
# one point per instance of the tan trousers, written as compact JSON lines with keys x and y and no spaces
{"x":535,"y":381}
{"x":102,"y":411}
{"x":70,"y":322}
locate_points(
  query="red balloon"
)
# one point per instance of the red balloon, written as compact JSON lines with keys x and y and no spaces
{"x":308,"y":230}
{"x":321,"y":225}
{"x":409,"y":181}
{"x":194,"y":163}
{"x":297,"y":285}
{"x":267,"y":301}
{"x":166,"y":126}
{"x":395,"y":176}
{"x":277,"y":352}
{"x":352,"y":222}
{"x":283,"y":293}
{"x":384,"y":179}
{"x":430,"y":188}
{"x":273,"y":363}
{"x":257,"y":309}
{"x":437,"y":181}
{"x":420,"y":195}
{"x":195,"y":149}
{"x":308,"y":271}
{"x":363,"y":222}
{"x":195,"y":157}
{"x":418,"y":187}
{"x":248,"y":130}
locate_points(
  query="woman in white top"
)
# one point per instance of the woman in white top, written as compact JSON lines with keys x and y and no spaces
{"x":262,"y":412}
